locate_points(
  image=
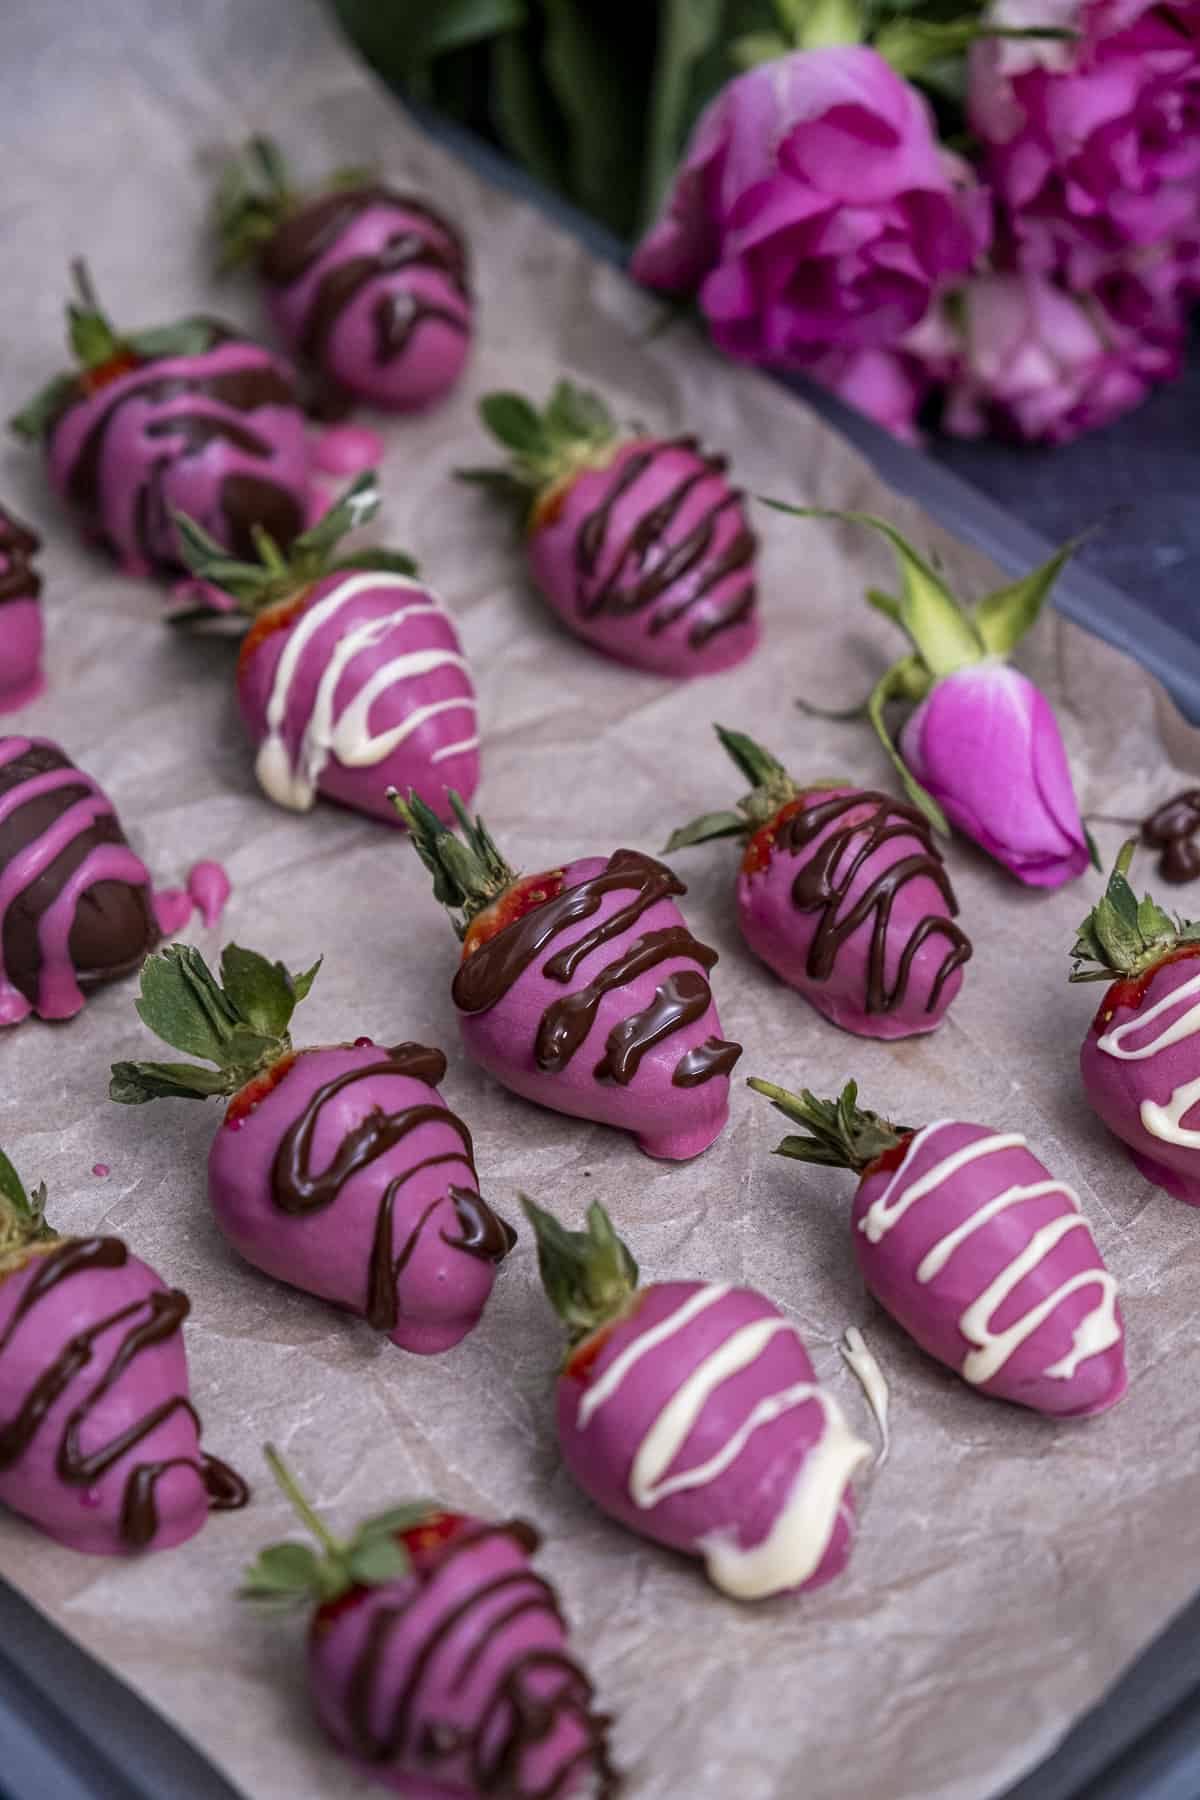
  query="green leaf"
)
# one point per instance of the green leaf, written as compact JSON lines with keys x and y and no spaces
{"x":183,"y":1005}
{"x":575,"y":415}
{"x":467,"y":875}
{"x":589,"y":1276}
{"x":12,"y":1188}
{"x":34,"y":420}
{"x":302,"y":983}
{"x":377,"y":1560}
{"x":900,"y":682}
{"x":408,"y":1517}
{"x":259,"y":990}
{"x":756,"y":48}
{"x":687,"y":29}
{"x":388,"y":562}
{"x":358,"y":504}
{"x":757,"y":765}
{"x":706,"y":827}
{"x":133,"y":1083}
{"x":186,"y":337}
{"x":1003,"y":618}
{"x":515,"y":422}
{"x":887,"y":604}
{"x":838,"y":1134}
{"x":602,"y":109}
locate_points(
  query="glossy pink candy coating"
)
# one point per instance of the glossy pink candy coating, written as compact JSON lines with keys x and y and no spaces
{"x":348,"y":450}
{"x":668,"y":1121}
{"x":89,"y":1518}
{"x":138,"y":441}
{"x":631,"y":635}
{"x":390,"y":624}
{"x":1118,"y":1089}
{"x":21,"y":636}
{"x":456,"y":1688}
{"x":782,"y":935}
{"x":433,"y":358}
{"x":209,"y":887}
{"x":442,"y":1290}
{"x":742,"y":1502}
{"x":172,"y":909}
{"x":931,"y":1311}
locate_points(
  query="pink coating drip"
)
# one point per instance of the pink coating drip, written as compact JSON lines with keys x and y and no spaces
{"x":59,"y":994}
{"x":172,"y":909}
{"x":101,"y":1169}
{"x":348,"y":450}
{"x":21,"y":638}
{"x":209,"y":887}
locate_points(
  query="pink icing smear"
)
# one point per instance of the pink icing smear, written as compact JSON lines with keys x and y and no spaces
{"x":101,"y":1169}
{"x":172,"y":909}
{"x":348,"y":450}
{"x":209,"y":887}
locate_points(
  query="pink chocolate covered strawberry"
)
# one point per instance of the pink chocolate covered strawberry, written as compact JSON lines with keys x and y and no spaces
{"x":337,"y":1169}
{"x":1140,"y":1060}
{"x":192,"y":417}
{"x":437,"y":1656}
{"x":613,"y":1021}
{"x":351,"y":678}
{"x":975,"y":1249}
{"x":639,"y":543}
{"x":689,"y":1411}
{"x":99,"y":1443}
{"x":20,"y":616}
{"x":367,"y":285}
{"x":843,"y":894}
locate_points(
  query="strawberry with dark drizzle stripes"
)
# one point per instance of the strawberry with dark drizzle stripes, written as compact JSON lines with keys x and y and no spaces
{"x":437,"y":1656}
{"x":351,"y":678}
{"x":99,"y":1443}
{"x":366,"y":285}
{"x":191,"y":416}
{"x":337,"y":1169}
{"x":1140,"y":1060}
{"x":975,"y":1249}
{"x":639,"y":543}
{"x":614,"y":1021}
{"x":689,"y":1411}
{"x":20,"y":615}
{"x":843,"y":893}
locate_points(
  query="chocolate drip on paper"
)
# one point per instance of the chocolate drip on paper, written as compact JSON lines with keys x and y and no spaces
{"x":1171,"y":829}
{"x":296,"y":1190}
{"x":151,"y":1320}
{"x":824,"y":882}
{"x":489,"y":971}
{"x":514,"y":1720}
{"x":632,"y":585}
{"x":114,"y":927}
{"x":19,"y":580}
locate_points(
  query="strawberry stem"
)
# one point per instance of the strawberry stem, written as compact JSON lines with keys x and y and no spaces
{"x":333,"y":1547}
{"x":573,"y":431}
{"x":469,"y":873}
{"x":838,"y":1134}
{"x":589,"y":1276}
{"x":22,"y":1215}
{"x":1124,"y":936}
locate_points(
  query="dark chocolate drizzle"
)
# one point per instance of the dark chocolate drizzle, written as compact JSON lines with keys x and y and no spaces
{"x":1171,"y":829}
{"x":647,"y":567}
{"x":820,"y":887}
{"x":296,"y":1190}
{"x":713,"y":1057}
{"x":490,"y":970}
{"x":152,"y":1320}
{"x":513,"y":1721}
{"x":240,"y":390}
{"x":114,"y":927}
{"x":19,"y":580}
{"x":304,"y":237}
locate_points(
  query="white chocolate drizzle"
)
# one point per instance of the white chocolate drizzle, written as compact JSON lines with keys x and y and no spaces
{"x":1164,"y":1122}
{"x":860,"y":1359}
{"x":990,"y":1350}
{"x":798,"y":1539}
{"x":348,"y":738}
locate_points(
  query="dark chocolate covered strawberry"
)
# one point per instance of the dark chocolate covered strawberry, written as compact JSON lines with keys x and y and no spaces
{"x":75,"y":902}
{"x":437,"y":1656}
{"x":338,"y":1169}
{"x":1140,"y":1060}
{"x":367,"y":285}
{"x":639,"y":543}
{"x":582,"y":987}
{"x":351,"y":678}
{"x":190,"y":417}
{"x":843,"y":893}
{"x":20,"y":615}
{"x":689,"y":1411}
{"x":99,"y":1443}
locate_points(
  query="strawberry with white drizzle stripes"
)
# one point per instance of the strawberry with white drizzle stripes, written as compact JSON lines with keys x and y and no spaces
{"x":975,"y":1249}
{"x":639,"y":543}
{"x":689,"y":1411}
{"x":437,"y":1655}
{"x":351,"y":678}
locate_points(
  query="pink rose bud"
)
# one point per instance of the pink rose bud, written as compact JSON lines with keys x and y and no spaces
{"x":982,"y":749}
{"x":814,"y":208}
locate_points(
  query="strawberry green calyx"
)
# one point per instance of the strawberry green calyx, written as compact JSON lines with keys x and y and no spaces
{"x":589,"y":1276}
{"x":838,"y":1134}
{"x":1124,"y":936}
{"x":468,"y":872}
{"x":255,"y":195}
{"x":239,"y":1024}
{"x":97,"y":345}
{"x":290,"y":1574}
{"x":771,"y":789}
{"x":946,"y":635}
{"x":22,"y":1216}
{"x":575,"y":430}
{"x":277,"y":577}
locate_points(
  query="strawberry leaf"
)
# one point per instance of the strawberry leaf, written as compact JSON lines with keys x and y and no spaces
{"x":261,"y":992}
{"x":589,"y":1276}
{"x":838,"y":1133}
{"x":376,"y":1560}
{"x":1123,"y":936}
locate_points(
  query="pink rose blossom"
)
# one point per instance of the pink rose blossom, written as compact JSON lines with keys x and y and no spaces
{"x":814,"y":209}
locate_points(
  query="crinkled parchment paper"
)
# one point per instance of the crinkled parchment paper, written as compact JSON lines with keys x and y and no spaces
{"x":1007,"y":1568}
